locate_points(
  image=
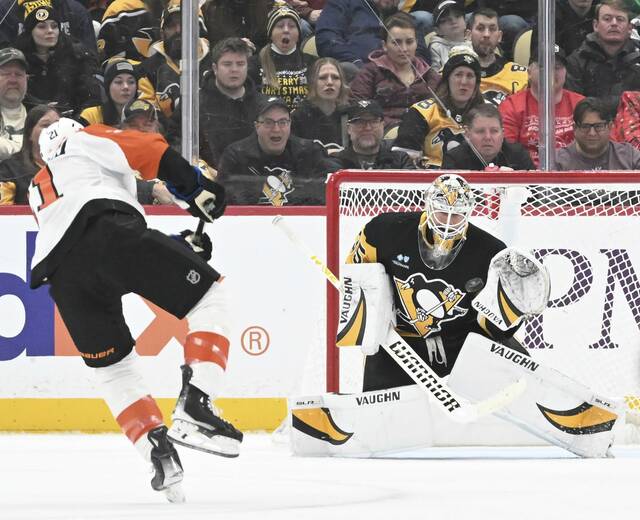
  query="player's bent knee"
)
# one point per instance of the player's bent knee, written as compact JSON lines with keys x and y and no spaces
{"x":210,"y":314}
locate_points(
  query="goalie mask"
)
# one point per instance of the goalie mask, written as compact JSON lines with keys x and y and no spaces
{"x":55,"y":135}
{"x":443,"y":227}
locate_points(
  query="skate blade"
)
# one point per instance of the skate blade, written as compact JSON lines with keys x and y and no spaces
{"x":175,"y":494}
{"x":191,"y":436}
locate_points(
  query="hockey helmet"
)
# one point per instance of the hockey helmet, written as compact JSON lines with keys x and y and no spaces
{"x":55,"y":135}
{"x":449,"y":203}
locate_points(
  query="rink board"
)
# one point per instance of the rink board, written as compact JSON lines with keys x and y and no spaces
{"x":277,"y":301}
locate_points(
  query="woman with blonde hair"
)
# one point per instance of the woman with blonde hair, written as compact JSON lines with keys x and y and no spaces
{"x":319,"y":117}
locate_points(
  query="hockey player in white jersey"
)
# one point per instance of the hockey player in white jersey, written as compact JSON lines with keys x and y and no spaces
{"x":94,"y":246}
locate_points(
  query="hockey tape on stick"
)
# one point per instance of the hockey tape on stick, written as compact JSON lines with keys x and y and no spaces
{"x":458,"y":408}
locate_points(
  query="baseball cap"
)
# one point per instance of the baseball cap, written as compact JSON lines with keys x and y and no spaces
{"x":269,"y":103}
{"x":444,"y":6}
{"x":364,"y":107}
{"x":561,"y":56}
{"x":137,"y":107}
{"x":10,"y":54}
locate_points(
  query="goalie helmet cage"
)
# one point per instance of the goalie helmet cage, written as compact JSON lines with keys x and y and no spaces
{"x":582,"y":226}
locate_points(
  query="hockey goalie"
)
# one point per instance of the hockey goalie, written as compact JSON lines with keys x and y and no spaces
{"x":433,"y":302}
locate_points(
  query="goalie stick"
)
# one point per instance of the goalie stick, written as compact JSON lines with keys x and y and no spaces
{"x":456,"y":407}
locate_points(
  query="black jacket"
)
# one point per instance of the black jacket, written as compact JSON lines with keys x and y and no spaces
{"x":512,"y":155}
{"x":224,"y":120}
{"x":591,"y":72}
{"x":67,"y":78}
{"x":386,"y":159}
{"x":20,"y":171}
{"x":571,"y":30}
{"x":309,"y":122}
{"x":297,"y":176}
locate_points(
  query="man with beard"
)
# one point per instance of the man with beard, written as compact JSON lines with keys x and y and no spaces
{"x":349,"y":30}
{"x":163,"y":67}
{"x":367,"y":150}
{"x":498,"y":77}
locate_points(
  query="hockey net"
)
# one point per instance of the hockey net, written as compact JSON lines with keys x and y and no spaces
{"x":582,"y":226}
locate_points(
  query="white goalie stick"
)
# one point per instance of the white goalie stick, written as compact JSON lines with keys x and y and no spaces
{"x":456,"y":407}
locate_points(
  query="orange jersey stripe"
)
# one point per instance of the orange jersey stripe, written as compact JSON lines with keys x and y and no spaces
{"x":140,"y":417}
{"x":206,"y":346}
{"x":143,"y":150}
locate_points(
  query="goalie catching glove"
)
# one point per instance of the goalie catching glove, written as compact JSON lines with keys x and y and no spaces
{"x":517,"y":288}
{"x":207,"y":201}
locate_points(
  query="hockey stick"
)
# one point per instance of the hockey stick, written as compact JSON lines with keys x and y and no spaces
{"x":459,"y":409}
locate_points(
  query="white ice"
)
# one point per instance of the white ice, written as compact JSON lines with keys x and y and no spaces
{"x":77,"y":477}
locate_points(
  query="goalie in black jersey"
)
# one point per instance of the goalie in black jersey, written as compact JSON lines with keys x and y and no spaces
{"x":438,"y":262}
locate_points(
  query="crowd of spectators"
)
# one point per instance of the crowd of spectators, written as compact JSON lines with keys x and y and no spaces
{"x":291,"y":90}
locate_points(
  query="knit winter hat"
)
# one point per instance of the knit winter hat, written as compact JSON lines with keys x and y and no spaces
{"x":115,"y":67}
{"x":38,"y":11}
{"x":461,"y":56}
{"x":277,"y":14}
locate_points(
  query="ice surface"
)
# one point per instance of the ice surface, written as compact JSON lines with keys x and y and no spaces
{"x":73,"y":477}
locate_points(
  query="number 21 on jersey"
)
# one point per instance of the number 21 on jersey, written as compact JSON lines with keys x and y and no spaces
{"x":46,"y":188}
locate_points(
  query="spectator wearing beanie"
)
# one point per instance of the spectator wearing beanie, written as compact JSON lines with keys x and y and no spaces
{"x":428,"y":129}
{"x":61,"y":70}
{"x":281,"y":69}
{"x":122,"y":83}
{"x":75,"y":21}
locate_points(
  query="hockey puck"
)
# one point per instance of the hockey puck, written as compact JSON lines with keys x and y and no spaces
{"x":474,"y":285}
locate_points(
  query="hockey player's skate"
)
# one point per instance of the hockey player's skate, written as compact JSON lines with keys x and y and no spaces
{"x":167,"y":467}
{"x":196,"y":425}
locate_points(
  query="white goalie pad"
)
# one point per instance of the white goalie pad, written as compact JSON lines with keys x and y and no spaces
{"x":366,"y":307}
{"x":517,"y":287}
{"x":553,"y":407}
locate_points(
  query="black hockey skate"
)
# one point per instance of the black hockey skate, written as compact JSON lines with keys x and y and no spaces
{"x":167,"y":467}
{"x":196,"y":424}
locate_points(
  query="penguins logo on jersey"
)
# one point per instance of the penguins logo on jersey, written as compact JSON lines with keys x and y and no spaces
{"x":494,"y":97}
{"x":277,"y":186}
{"x":427,"y":303}
{"x":318,"y":423}
{"x":585,"y":419}
{"x":447,"y":139}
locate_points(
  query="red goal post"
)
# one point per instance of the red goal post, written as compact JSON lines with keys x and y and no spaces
{"x":583,"y":225}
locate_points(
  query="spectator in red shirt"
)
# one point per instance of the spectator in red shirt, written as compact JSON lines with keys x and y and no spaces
{"x":520,"y":110}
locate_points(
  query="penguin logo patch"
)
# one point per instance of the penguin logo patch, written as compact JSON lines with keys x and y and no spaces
{"x":427,"y":303}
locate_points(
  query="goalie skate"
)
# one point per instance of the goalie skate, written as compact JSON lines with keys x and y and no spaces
{"x":167,"y":467}
{"x":197,"y":425}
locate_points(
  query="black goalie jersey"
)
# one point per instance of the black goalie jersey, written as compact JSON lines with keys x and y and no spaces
{"x":433,"y":308}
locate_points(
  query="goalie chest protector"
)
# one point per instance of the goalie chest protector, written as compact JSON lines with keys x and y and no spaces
{"x":428,"y":302}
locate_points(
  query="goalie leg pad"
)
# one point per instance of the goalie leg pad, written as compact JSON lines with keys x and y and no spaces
{"x":366,"y":307}
{"x":517,"y":287}
{"x":553,"y":407}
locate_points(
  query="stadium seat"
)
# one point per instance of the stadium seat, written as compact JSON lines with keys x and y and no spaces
{"x":309,"y":46}
{"x":522,"y":47}
{"x":391,"y":133}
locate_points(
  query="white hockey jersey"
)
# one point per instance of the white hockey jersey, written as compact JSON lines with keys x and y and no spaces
{"x":99,"y":162}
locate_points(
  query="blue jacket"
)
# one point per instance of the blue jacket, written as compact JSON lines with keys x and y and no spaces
{"x":348,"y":30}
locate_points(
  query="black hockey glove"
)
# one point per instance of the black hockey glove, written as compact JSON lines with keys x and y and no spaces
{"x":200,"y":244}
{"x":207,"y":201}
